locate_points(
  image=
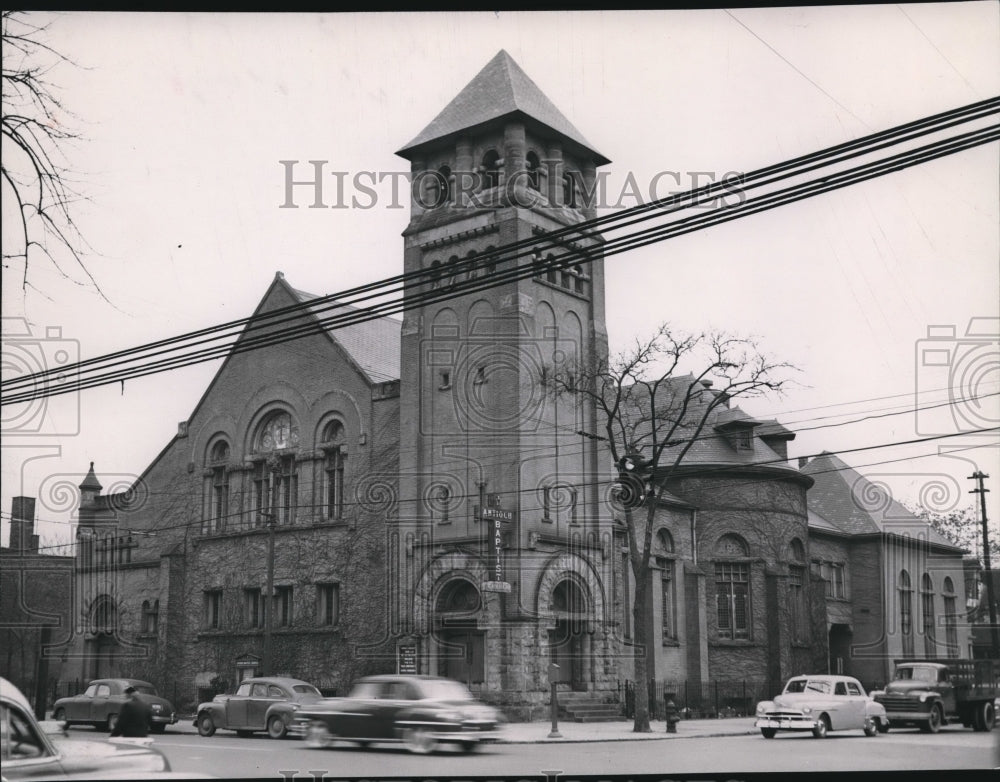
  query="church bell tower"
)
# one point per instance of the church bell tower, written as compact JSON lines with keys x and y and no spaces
{"x":498,"y":476}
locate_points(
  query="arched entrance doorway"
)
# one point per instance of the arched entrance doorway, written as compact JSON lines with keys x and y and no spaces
{"x":460,"y":644}
{"x":103,"y":648}
{"x":569,"y":640}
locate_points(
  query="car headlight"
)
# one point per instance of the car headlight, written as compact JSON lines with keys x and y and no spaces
{"x":807,"y":710}
{"x":923,"y":697}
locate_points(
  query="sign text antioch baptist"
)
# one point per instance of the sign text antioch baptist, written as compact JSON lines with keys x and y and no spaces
{"x":493,"y":512}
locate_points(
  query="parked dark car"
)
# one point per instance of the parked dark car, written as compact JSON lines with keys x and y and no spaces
{"x":420,"y":711}
{"x":101,"y":702}
{"x":262,"y":703}
{"x":27,"y":751}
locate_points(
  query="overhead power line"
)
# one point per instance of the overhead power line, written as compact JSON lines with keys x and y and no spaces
{"x":278,"y":326}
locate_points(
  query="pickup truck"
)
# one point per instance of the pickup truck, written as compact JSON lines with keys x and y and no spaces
{"x":932,"y":693}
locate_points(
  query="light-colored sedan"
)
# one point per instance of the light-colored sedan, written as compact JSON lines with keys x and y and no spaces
{"x":262,"y":703}
{"x":820,"y":704}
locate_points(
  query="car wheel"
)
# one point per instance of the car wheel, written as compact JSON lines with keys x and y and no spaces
{"x":822,"y":727}
{"x":60,"y":715}
{"x":883,"y":726}
{"x":111,"y":723}
{"x":206,"y":725}
{"x":984,"y":717}
{"x":317,"y":735}
{"x":276,"y":727}
{"x":768,"y":733}
{"x":470,"y":746}
{"x":419,"y":741}
{"x":362,"y":744}
{"x":871,"y":727}
{"x":933,"y":722}
{"x":158,"y":727}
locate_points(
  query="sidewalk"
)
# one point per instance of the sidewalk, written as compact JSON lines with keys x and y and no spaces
{"x":621,"y":730}
{"x":576,"y":732}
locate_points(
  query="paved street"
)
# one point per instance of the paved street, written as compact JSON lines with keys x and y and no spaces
{"x":692,"y":750}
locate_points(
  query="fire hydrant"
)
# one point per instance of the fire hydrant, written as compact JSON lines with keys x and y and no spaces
{"x":671,"y":713}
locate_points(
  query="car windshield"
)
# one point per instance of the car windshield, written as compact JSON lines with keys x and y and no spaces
{"x":808,"y":685}
{"x":917,"y":673}
{"x":444,"y":690}
{"x":305,"y":692}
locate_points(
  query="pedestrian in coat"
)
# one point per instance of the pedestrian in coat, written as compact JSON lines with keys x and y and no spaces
{"x":134,"y":718}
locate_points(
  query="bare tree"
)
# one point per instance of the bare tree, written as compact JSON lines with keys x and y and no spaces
{"x":36,"y":127}
{"x":652,"y":415}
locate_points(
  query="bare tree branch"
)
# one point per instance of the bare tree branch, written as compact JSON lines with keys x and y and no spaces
{"x":35,"y":127}
{"x":648,"y":405}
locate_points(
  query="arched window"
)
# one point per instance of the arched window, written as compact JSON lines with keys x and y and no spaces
{"x":905,"y":612}
{"x":275,"y":476}
{"x":664,"y":541}
{"x":441,"y":182}
{"x":217,"y":489}
{"x":103,"y":616}
{"x":150,"y":617}
{"x":664,"y":544}
{"x":533,"y":167}
{"x":732,"y":588}
{"x":491,"y":169}
{"x":551,"y":274}
{"x":334,"y":450}
{"x":950,"y":617}
{"x":434,"y":274}
{"x":927,"y":613}
{"x":569,"y":189}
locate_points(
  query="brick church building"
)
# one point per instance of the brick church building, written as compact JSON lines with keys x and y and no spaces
{"x":418,"y":502}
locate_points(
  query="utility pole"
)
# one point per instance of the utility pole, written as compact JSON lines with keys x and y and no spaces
{"x":979,"y":476}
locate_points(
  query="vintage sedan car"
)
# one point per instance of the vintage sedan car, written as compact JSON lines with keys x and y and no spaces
{"x":820,"y":704}
{"x":100,"y":703}
{"x":262,"y":703}
{"x":29,"y":752}
{"x":420,"y":711}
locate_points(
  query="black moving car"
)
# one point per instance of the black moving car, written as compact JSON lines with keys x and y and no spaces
{"x":420,"y":711}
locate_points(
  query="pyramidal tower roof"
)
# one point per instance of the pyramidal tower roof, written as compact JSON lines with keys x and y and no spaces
{"x":500,"y":89}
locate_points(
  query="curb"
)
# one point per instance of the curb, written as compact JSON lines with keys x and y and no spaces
{"x":642,"y":737}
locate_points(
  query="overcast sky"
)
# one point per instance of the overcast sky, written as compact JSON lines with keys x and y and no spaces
{"x":184,"y":117}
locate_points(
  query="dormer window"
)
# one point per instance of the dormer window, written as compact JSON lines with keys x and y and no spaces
{"x":743,"y":440}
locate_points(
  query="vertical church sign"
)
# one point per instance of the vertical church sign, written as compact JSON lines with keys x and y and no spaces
{"x":496,"y":516}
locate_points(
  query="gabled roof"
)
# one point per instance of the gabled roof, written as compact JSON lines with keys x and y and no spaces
{"x":853,"y":504}
{"x":500,"y":89}
{"x":373,"y":345}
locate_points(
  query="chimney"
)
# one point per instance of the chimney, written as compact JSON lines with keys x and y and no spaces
{"x":22,"y":525}
{"x":803,"y":461}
